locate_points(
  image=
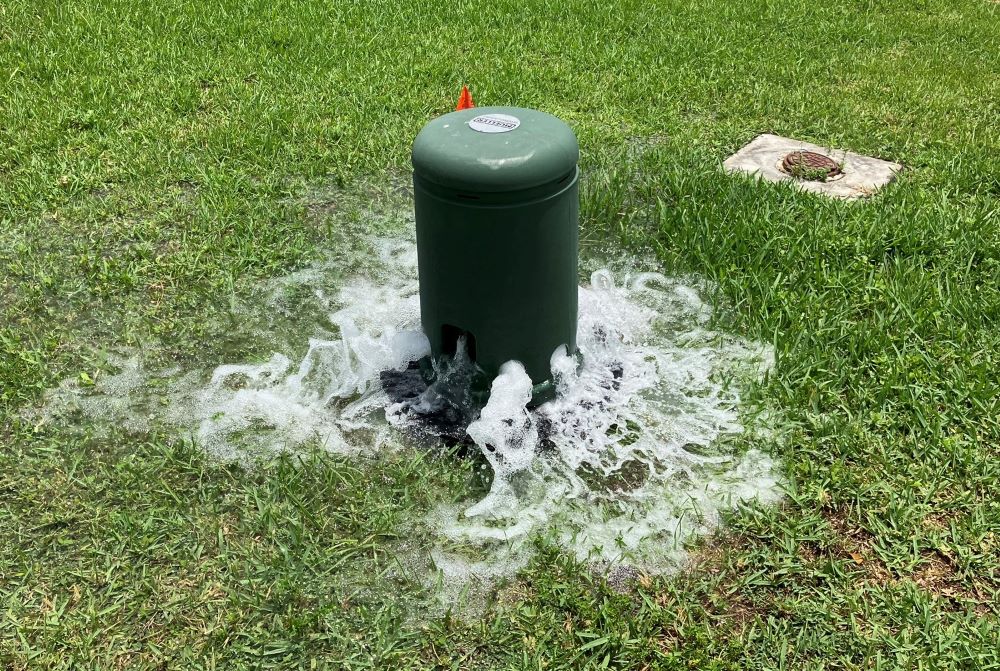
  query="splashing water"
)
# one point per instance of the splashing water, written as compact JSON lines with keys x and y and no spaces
{"x":507,"y":434}
{"x":624,"y":465}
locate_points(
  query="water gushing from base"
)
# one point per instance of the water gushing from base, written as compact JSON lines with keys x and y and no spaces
{"x":629,"y":461}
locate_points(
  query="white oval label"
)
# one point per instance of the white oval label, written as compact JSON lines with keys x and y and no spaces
{"x":494,"y":123}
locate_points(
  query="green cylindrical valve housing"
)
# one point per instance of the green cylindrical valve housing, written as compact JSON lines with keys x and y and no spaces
{"x":497,"y":210}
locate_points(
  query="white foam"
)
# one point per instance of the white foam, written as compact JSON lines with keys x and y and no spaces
{"x":335,"y":388}
{"x":619,"y":477}
{"x":626,"y":464}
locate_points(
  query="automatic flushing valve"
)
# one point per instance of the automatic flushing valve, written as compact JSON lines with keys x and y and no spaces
{"x":497,"y":210}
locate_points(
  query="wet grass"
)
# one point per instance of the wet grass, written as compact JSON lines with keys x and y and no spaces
{"x":156,"y":163}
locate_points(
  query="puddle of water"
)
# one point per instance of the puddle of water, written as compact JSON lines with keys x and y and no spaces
{"x":630,"y":461}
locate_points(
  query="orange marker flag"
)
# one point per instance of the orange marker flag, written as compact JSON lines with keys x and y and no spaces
{"x":465,"y":100}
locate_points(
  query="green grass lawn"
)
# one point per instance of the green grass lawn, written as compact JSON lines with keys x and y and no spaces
{"x":157,"y":162}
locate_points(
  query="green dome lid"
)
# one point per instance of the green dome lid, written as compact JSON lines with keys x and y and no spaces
{"x":495,"y":149}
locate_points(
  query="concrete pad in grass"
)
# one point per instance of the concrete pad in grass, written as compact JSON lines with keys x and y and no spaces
{"x":861,"y":175}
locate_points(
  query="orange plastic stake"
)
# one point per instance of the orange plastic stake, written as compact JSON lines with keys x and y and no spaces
{"x":465,"y":100}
